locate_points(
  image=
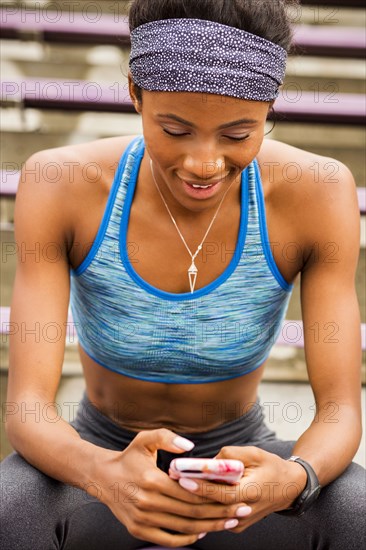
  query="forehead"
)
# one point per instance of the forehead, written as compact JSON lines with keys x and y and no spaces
{"x":202,"y":107}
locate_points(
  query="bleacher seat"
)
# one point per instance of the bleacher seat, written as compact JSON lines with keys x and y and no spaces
{"x":321,"y":40}
{"x":75,"y":28}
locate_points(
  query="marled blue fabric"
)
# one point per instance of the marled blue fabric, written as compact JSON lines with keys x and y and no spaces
{"x":195,"y":55}
{"x":221,"y":331}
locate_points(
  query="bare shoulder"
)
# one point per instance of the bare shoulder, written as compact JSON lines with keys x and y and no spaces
{"x":295,"y":169}
{"x":65,"y":179}
{"x":317,"y":193}
{"x":75,"y":163}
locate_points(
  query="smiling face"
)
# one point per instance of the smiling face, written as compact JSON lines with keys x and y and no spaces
{"x":199,"y":139}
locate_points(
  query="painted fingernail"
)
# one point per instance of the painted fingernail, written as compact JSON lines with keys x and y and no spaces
{"x":231,"y":523}
{"x":188,"y":484}
{"x":183,"y":443}
{"x":202,"y":535}
{"x":243,"y":511}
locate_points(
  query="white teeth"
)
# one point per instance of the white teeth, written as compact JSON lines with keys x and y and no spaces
{"x":201,"y":186}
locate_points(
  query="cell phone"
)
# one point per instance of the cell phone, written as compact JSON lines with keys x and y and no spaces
{"x":226,"y":470}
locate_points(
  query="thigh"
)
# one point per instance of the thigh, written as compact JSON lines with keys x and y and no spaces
{"x":39,"y":512}
{"x":32,"y":504}
{"x":337,"y":518}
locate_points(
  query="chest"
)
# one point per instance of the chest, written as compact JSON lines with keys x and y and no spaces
{"x":158,"y":255}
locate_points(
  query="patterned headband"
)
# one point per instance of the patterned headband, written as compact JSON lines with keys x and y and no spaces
{"x":194,"y":55}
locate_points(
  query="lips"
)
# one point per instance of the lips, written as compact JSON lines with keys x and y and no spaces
{"x":202,"y":185}
{"x":201,"y":192}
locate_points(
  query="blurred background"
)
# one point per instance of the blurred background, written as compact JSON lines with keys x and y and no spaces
{"x":64,"y":71}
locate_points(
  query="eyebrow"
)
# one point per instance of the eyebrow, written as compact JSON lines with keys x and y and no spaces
{"x":227,"y":125}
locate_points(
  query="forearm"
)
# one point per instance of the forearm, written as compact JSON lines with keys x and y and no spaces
{"x":331,"y":441}
{"x":55,"y":448}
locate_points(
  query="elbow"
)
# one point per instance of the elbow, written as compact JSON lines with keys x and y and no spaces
{"x":12,"y":427}
{"x":356,"y":431}
{"x":10,"y":432}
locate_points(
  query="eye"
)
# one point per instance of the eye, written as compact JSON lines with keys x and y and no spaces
{"x":237,"y":138}
{"x":174,"y":135}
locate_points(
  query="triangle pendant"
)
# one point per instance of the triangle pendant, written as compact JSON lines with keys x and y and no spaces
{"x":192,"y":276}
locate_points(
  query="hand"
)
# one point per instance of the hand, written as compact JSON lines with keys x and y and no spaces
{"x":147,"y":501}
{"x":269,"y":484}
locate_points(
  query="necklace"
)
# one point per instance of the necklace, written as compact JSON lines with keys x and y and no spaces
{"x":192,"y":271}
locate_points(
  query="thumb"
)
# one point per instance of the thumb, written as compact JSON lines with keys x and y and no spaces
{"x":230,"y":452}
{"x":246,"y":453}
{"x":162,"y":438}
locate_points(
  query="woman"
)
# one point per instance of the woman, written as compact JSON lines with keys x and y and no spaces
{"x":177,"y":303}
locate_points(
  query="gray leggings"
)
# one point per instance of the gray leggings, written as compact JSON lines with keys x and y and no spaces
{"x":41,"y":513}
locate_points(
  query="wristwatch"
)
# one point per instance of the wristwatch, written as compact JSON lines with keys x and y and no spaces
{"x":309,"y":494}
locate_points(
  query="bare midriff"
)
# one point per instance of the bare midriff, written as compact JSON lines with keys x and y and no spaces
{"x":187,"y":408}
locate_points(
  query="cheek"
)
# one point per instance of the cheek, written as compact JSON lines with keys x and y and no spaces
{"x":256,"y":144}
{"x":247,"y":153}
{"x":157,"y":148}
{"x":165,"y":153}
{"x":164,"y":160}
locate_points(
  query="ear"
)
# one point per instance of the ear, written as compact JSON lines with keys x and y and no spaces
{"x":132,"y":92}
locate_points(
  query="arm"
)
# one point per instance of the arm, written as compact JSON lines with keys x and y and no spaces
{"x":148,"y":501}
{"x":331,"y":322}
{"x":332,"y":334}
{"x":40,"y":300}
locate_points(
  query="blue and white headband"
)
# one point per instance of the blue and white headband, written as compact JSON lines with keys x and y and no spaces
{"x":195,"y":55}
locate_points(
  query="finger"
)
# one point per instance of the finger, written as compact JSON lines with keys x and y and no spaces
{"x":176,"y":491}
{"x":158,"y":536}
{"x":247,"y":491}
{"x":209,"y":510}
{"x":219,"y":492}
{"x":244,"y":524}
{"x":189,"y":526}
{"x":156,"y":481}
{"x":152,"y":440}
{"x":249,"y":454}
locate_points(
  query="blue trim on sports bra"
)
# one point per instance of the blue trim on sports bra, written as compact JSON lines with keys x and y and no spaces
{"x":264,"y":232}
{"x":107,"y":212}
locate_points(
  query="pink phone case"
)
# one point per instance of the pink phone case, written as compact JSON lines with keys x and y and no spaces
{"x":223,"y":470}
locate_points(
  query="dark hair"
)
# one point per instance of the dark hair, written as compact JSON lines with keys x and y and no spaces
{"x":266,"y":18}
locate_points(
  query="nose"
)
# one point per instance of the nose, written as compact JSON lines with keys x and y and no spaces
{"x":204,"y":163}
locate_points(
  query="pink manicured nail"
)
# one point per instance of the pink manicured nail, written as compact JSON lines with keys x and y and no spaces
{"x":243,"y":511}
{"x":202,"y":535}
{"x":183,"y":443}
{"x":231,"y":523}
{"x":188,"y":484}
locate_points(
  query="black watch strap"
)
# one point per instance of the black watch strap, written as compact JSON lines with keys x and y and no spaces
{"x":309,"y":494}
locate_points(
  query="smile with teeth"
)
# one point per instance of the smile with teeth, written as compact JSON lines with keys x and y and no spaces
{"x":200,"y":186}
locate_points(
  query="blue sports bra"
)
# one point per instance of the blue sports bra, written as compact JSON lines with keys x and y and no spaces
{"x":223,"y":330}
